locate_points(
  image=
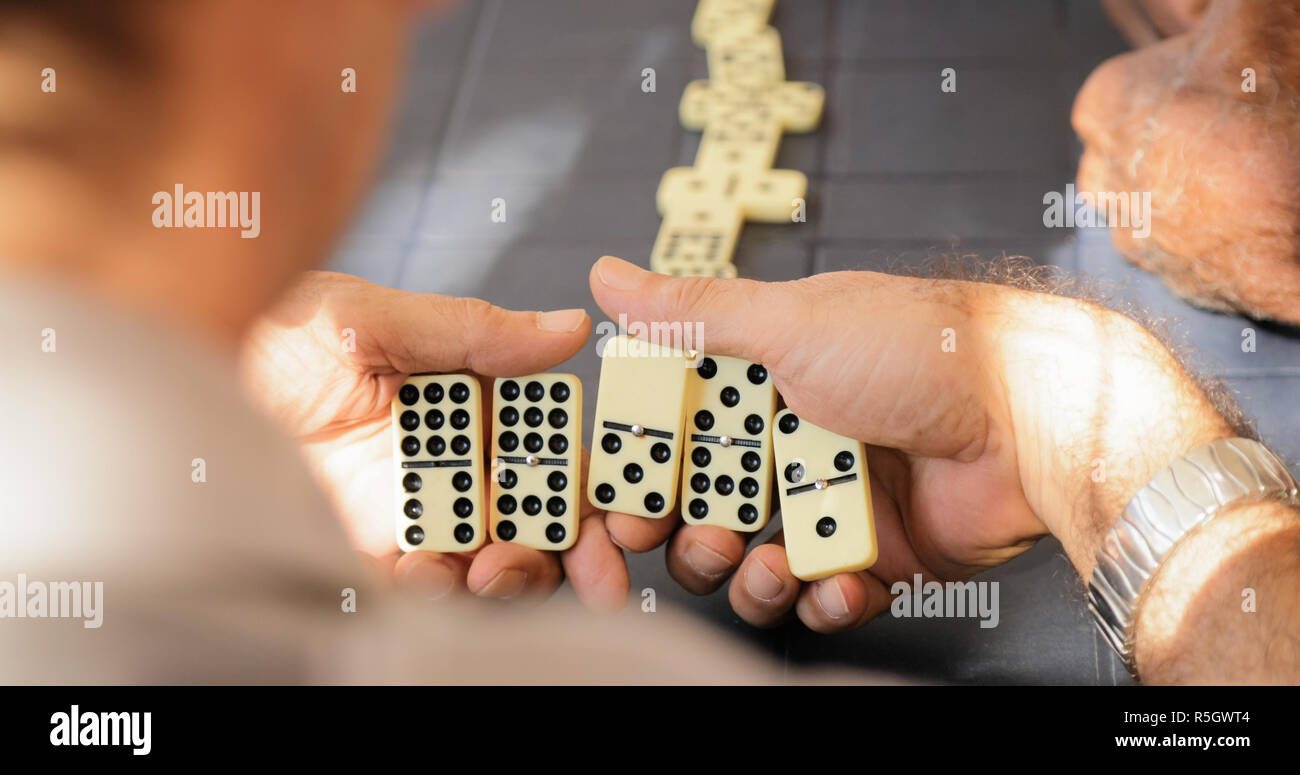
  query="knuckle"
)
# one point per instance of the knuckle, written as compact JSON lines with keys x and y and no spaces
{"x":688,"y":297}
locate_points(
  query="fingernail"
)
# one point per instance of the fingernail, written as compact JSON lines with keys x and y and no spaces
{"x":761,"y":582}
{"x":430,"y":577}
{"x":505,"y":584}
{"x":831,"y":598}
{"x":705,"y":561}
{"x":620,"y":274}
{"x":561,"y":320}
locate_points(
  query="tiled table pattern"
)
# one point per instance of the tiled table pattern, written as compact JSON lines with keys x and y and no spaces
{"x":540,"y":104}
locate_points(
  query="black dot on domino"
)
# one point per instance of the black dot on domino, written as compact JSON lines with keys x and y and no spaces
{"x":461,"y":481}
{"x":826,"y":527}
{"x":555,"y":533}
{"x":415,"y":535}
{"x":459,"y":393}
{"x":460,"y":419}
{"x":533,"y":442}
{"x":789,"y":424}
{"x":436,"y":445}
{"x":757,"y":374}
{"x":754,"y":425}
{"x":704,"y":419}
{"x":660,"y":453}
{"x":463,"y":533}
{"x":701,"y":456}
{"x":409,"y":394}
{"x":460,"y":445}
{"x":747,"y":514}
{"x":508,"y":441}
{"x":433,"y":392}
{"x":700,"y":483}
{"x":558,"y":418}
{"x":844,"y":461}
{"x":510,"y":390}
{"x":555,"y":506}
{"x":463,"y":507}
{"x":532,"y":505}
{"x":707,"y":368}
{"x":508,"y":416}
{"x":611,"y":443}
{"x":698,"y":508}
{"x":749,"y":487}
{"x":509,"y":479}
{"x":532,"y":417}
{"x":557,"y":481}
{"x":604,"y":492}
{"x":412,"y":482}
{"x":507,"y":504}
{"x":794,"y":473}
{"x":729,"y":396}
{"x":413,"y":509}
{"x":654,"y":502}
{"x":633,"y":473}
{"x":558,"y":444}
{"x":724,"y":485}
{"x":750,"y":461}
{"x":559,"y":392}
{"x":534,"y":391}
{"x":409,"y":421}
{"x":410,"y":446}
{"x":506,"y":530}
{"x":433,"y":419}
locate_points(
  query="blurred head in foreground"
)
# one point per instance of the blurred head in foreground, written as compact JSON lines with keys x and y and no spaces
{"x":110,"y":105}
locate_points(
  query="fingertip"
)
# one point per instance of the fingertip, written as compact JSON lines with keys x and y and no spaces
{"x":508,"y":572}
{"x":763,"y":591}
{"x":638,"y":534}
{"x":597,"y":569}
{"x":840,"y":603}
{"x":431,"y":575}
{"x":701,"y":557}
{"x":563,"y":321}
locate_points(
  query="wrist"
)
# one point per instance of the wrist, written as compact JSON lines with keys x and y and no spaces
{"x":1099,"y":406}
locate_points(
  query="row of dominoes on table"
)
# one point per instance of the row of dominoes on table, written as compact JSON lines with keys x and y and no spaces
{"x":742,"y":110}
{"x":672,"y":429}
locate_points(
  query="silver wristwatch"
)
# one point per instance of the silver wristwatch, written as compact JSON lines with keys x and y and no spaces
{"x":1175,"y":503}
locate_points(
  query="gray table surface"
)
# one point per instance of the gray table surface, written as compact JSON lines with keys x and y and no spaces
{"x":539,"y":103}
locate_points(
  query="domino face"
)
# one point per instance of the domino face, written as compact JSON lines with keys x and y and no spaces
{"x":759,"y":195}
{"x":536,"y":460}
{"x":793,"y":106}
{"x":697,"y":241}
{"x":637,"y":440}
{"x":727,"y":467}
{"x":437,"y":448}
{"x":719,"y":17}
{"x":742,"y":57}
{"x":825,"y":499}
{"x":703,"y":209}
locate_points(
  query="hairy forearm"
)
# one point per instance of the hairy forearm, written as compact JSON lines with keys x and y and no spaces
{"x":1224,"y":607}
{"x":1099,"y":406}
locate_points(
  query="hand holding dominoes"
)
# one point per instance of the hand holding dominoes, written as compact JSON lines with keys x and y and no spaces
{"x":330,"y":362}
{"x":855,"y":356}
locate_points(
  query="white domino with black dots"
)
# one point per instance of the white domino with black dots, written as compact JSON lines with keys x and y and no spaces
{"x":637,"y":439}
{"x":727,"y":464}
{"x":536,"y":461}
{"x":825,"y":499}
{"x":437,"y":424}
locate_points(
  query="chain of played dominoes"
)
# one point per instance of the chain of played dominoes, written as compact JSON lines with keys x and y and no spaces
{"x":742,"y":110}
{"x":671,"y":427}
